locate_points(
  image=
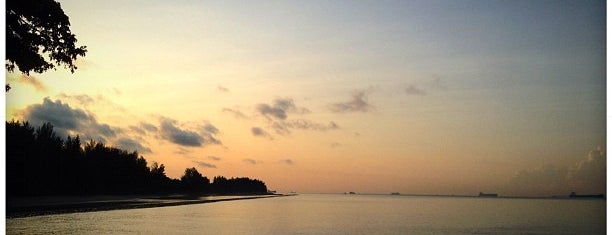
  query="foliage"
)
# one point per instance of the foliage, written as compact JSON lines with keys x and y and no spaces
{"x":40,"y":163}
{"x":35,"y":29}
{"x":193,"y":181}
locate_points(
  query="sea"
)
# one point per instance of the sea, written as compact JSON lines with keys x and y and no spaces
{"x":336,"y":214}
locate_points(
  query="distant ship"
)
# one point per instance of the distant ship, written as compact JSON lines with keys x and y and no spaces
{"x":395,"y":193}
{"x":481,"y":194}
{"x":574,"y":195}
{"x":350,"y":193}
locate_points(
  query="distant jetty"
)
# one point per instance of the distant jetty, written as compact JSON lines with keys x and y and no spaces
{"x":481,"y":194}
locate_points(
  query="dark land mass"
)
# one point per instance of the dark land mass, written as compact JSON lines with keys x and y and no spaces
{"x":48,"y":174}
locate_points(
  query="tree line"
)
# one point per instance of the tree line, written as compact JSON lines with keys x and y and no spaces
{"x":38,"y":162}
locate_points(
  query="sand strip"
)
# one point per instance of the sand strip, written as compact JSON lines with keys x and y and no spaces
{"x":58,"y":205}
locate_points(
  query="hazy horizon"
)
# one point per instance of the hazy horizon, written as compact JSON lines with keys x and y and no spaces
{"x":417,"y":97}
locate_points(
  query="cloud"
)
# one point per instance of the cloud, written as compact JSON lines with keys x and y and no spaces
{"x":131,"y":145}
{"x":222,"y":88}
{"x":67,"y":120}
{"x":209,"y":128}
{"x":205,"y":164}
{"x":148,"y":127}
{"x":30,"y":81}
{"x":138,"y":130}
{"x":284,"y":127}
{"x":587,"y":176}
{"x":214,"y":158}
{"x":84,"y":100}
{"x":357,"y":103}
{"x":438,"y":83}
{"x":236,"y":113}
{"x":260,"y":132}
{"x":250,"y":161}
{"x":143,"y":128}
{"x":182,"y":151}
{"x":287,"y":161}
{"x":184,"y":137}
{"x":279,"y":109}
{"x":544,"y":180}
{"x":414,"y":90}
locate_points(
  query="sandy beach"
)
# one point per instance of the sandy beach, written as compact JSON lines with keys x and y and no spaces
{"x":35,"y":206}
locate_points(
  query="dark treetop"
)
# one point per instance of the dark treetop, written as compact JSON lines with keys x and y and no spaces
{"x":40,"y":163}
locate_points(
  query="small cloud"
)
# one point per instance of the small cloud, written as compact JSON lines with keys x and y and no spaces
{"x":205,"y":164}
{"x":214,"y":158}
{"x":236,"y":113}
{"x":250,"y":161}
{"x":117,"y":91}
{"x":438,"y":83}
{"x":287,"y":161}
{"x":222,"y":88}
{"x":358,"y":103}
{"x":414,"y":90}
{"x":148,"y":127}
{"x":284,"y":127}
{"x":182,"y":151}
{"x":259,"y":132}
{"x":185,"y":137}
{"x":31,"y":81}
{"x":132,"y":145}
{"x":209,"y":128}
{"x":84,"y":100}
{"x":279,"y":109}
{"x":137,"y":130}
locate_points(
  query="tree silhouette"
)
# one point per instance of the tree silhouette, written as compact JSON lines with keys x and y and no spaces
{"x":38,"y":162}
{"x":36,"y":29}
{"x":194,"y":182}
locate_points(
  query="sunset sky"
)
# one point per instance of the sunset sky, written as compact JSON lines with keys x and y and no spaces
{"x":424,"y":97}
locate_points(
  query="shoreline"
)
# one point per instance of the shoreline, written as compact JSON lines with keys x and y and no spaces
{"x":38,"y":206}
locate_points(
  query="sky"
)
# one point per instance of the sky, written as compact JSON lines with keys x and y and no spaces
{"x":423,"y":97}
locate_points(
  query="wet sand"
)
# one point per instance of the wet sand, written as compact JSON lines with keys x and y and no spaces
{"x":34,"y":206}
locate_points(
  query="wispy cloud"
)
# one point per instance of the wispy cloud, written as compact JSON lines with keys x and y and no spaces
{"x":251,"y":161}
{"x":205,"y":164}
{"x":222,"y":88}
{"x":237,"y":113}
{"x":148,"y":126}
{"x":357,"y":103}
{"x":279,"y":109}
{"x":414,"y":90}
{"x":83,"y":99}
{"x":285,"y":127}
{"x":87,"y":101}
{"x":182,"y":151}
{"x":260,"y":132}
{"x":30,"y":81}
{"x":287,"y":161}
{"x":214,"y":158}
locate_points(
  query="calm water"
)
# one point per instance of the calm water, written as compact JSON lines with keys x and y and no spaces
{"x":336,"y":214}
